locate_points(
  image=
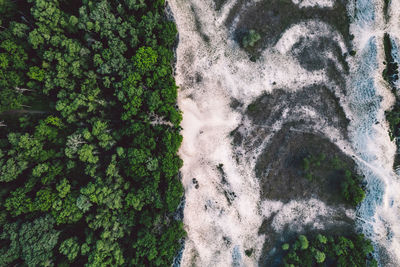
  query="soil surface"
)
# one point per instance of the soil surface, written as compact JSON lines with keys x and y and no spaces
{"x":280,"y":164}
{"x":272,"y":257}
{"x":270,"y":18}
{"x":301,"y":113}
{"x":219,"y":4}
{"x":281,"y":172}
{"x":270,"y":107}
{"x":314,"y":55}
{"x":282,"y":177}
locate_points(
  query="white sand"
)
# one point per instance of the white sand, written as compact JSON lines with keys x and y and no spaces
{"x":219,"y":232}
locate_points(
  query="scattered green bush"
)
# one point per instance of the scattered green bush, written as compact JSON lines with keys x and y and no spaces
{"x":352,"y":250}
{"x":251,"y":38}
{"x":391,"y":75}
{"x":350,"y":183}
{"x":311,"y":162}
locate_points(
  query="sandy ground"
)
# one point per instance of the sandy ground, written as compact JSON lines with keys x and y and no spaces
{"x":250,"y":115}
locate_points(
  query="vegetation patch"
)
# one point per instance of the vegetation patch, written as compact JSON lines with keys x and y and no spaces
{"x":390,"y":73}
{"x":391,"y":76}
{"x":311,"y":55}
{"x":386,"y":4}
{"x":350,"y":183}
{"x":219,"y":4}
{"x":87,"y":176}
{"x":271,"y":18}
{"x":251,"y":38}
{"x":249,"y":252}
{"x":328,"y":250}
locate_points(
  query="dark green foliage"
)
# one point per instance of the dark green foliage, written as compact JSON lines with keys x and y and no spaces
{"x":386,"y":7}
{"x":70,"y":248}
{"x":322,"y":250}
{"x":351,"y":189}
{"x":7,"y":9}
{"x":391,"y":75}
{"x":37,"y":240}
{"x":350,"y":183}
{"x":249,"y":252}
{"x":13,"y":72}
{"x":13,"y":251}
{"x":33,"y":242}
{"x":303,"y":242}
{"x":88,"y":176}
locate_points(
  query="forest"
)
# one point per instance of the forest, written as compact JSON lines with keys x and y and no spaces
{"x":89,"y":133}
{"x":391,"y":75}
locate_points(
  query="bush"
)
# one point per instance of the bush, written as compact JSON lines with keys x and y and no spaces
{"x":350,"y":183}
{"x":251,"y":38}
{"x":338,"y":250}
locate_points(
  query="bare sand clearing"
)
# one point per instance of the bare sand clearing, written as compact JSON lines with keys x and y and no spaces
{"x":224,"y":209}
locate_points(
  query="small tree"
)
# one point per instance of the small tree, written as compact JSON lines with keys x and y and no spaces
{"x":319,"y":256}
{"x":322,"y":239}
{"x":70,"y":248}
{"x":303,"y":242}
{"x":251,"y":38}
